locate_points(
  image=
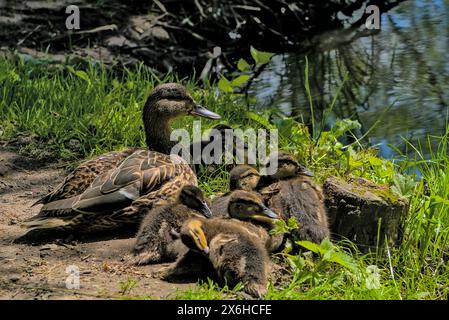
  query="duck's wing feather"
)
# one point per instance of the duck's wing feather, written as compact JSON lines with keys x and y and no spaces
{"x":141,"y":173}
{"x":83,"y":176}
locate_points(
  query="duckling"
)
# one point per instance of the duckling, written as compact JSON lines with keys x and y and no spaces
{"x":255,"y":217}
{"x":218,"y":138}
{"x":141,"y":179}
{"x":242,"y":177}
{"x":287,"y":167}
{"x":295,"y":195}
{"x":246,"y":211}
{"x":156,"y":240}
{"x":234,"y":254}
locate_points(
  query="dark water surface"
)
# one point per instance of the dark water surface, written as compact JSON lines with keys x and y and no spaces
{"x":398,"y":77}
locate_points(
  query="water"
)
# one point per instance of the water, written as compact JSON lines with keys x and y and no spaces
{"x":398,"y":78}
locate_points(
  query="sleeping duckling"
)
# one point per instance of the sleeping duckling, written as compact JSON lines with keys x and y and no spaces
{"x":295,"y":195}
{"x":156,"y":240}
{"x":242,"y":177}
{"x":234,"y":254}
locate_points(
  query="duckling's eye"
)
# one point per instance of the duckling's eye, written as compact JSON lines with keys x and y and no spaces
{"x":255,"y":209}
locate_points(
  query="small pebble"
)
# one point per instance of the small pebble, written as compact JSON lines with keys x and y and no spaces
{"x":14,"y":278}
{"x":48,"y":247}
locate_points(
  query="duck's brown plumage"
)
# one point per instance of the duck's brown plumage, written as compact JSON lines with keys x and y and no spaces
{"x":145,"y":178}
{"x":297,"y":196}
{"x":81,"y":178}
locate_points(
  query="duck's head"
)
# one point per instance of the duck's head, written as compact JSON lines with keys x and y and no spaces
{"x":243,"y":177}
{"x":194,"y":237}
{"x":172,"y":100}
{"x":288,"y":166}
{"x":245,"y":205}
{"x":192,"y":197}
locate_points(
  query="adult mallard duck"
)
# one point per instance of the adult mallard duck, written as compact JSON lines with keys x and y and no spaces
{"x":109,"y":191}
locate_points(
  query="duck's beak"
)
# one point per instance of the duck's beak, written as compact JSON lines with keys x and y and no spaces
{"x":266,"y":216}
{"x":199,"y":110}
{"x":205,"y":210}
{"x":175,"y":234}
{"x":269,"y":213}
{"x":305,"y":172}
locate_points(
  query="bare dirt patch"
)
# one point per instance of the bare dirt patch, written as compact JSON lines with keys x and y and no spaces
{"x":39,"y":272}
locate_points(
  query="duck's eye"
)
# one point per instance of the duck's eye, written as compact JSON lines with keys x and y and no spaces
{"x":256,"y":209}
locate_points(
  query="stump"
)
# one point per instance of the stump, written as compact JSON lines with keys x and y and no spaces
{"x":364,"y":212}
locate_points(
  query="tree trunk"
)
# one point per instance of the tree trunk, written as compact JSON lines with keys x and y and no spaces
{"x":364,"y":212}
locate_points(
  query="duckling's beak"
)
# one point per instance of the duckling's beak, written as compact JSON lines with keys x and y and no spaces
{"x":199,"y":110}
{"x":305,"y":172}
{"x":205,"y":210}
{"x":266,"y":216}
{"x":175,"y":234}
{"x":269,"y":213}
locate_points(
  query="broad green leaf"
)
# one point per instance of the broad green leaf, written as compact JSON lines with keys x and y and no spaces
{"x":327,"y":245}
{"x":237,"y":82}
{"x":310,"y":246}
{"x":224,"y":85}
{"x":342,"y":126}
{"x":83,"y":75}
{"x":260,"y":57}
{"x":243,"y":65}
{"x":257,"y":118}
{"x":374,"y":161}
{"x":344,"y":260}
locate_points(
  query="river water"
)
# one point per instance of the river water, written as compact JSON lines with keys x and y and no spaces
{"x":397,"y":83}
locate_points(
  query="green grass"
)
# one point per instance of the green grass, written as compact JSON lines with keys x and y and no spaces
{"x":74,"y":114}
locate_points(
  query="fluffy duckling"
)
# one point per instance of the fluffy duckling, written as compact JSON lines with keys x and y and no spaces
{"x":255,"y":217}
{"x":295,"y":195}
{"x":221,"y":137}
{"x":234,"y":254}
{"x":287,"y":167}
{"x":242,"y":177}
{"x":156,"y":240}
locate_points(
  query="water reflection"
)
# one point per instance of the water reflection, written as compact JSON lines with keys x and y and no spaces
{"x":398,"y":77}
